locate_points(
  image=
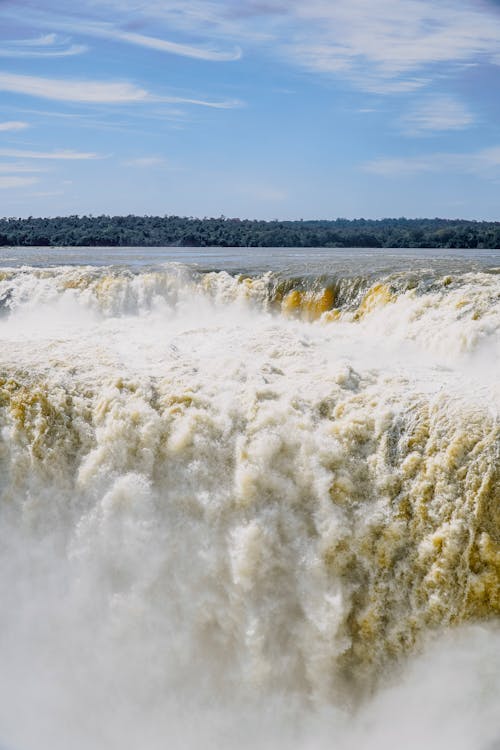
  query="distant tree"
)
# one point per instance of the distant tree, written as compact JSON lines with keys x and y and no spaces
{"x":160,"y":231}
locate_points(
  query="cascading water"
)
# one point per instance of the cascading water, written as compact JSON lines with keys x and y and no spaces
{"x":256,"y":510}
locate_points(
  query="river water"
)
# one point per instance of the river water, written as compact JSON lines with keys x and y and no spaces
{"x":249,"y":499}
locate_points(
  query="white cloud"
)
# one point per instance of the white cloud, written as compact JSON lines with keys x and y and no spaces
{"x":13,"y":168}
{"x":46,"y":40}
{"x":482,"y":163}
{"x":401,"y":166}
{"x":437,"y":114}
{"x":60,"y":89}
{"x":46,"y":193}
{"x":392,"y":38}
{"x":146,"y":161}
{"x":384,"y":47}
{"x":96,"y":92}
{"x":376,"y":84}
{"x":13,"y":125}
{"x":387,"y":46}
{"x":16,"y":182}
{"x":48,"y":45}
{"x":221,"y":104}
{"x":242,"y":19}
{"x":152,"y":42}
{"x":52,"y":155}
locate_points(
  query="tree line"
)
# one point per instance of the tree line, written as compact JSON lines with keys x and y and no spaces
{"x":157,"y":231}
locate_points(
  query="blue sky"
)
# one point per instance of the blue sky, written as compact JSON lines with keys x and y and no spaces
{"x":250,"y":108}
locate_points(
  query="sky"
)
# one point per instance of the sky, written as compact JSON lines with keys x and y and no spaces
{"x":265,"y":109}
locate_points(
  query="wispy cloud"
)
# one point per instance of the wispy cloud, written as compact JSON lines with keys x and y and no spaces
{"x":16,"y":182}
{"x":51,"y":155}
{"x":388,"y":46}
{"x":482,"y":163}
{"x":78,"y":116}
{"x":96,"y":92}
{"x":436,"y":114}
{"x":12,"y":168}
{"x":109,"y":31}
{"x":221,"y":104}
{"x":214,"y":18}
{"x":145,"y":162}
{"x":391,"y":40}
{"x":48,"y":45}
{"x":405,"y":166}
{"x":46,"y":193}
{"x":13,"y":125}
{"x":65,"y":90}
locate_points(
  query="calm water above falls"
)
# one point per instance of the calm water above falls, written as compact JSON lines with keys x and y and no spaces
{"x":315,"y":261}
{"x":249,"y":498}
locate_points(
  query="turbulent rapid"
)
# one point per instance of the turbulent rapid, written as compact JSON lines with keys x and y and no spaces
{"x":253,"y":508}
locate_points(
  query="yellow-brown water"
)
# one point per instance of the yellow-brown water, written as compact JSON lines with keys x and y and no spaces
{"x":243,"y":510}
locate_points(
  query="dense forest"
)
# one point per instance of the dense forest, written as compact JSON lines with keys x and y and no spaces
{"x":156,"y":231}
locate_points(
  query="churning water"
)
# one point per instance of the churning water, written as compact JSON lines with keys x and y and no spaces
{"x":249,"y":500}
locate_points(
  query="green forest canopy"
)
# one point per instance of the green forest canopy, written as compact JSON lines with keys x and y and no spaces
{"x":157,"y":231}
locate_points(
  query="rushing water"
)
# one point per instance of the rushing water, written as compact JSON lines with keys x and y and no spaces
{"x":249,"y":499}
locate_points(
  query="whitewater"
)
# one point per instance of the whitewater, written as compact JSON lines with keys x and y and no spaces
{"x":249,"y":499}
